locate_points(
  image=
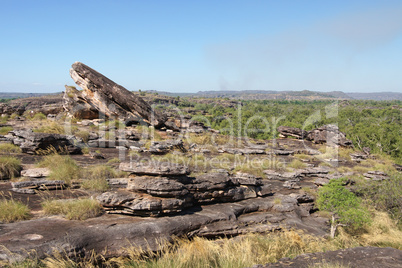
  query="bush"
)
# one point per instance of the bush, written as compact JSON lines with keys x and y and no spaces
{"x":345,"y":206}
{"x":50,"y":127}
{"x":5,"y":130}
{"x":39,"y":116}
{"x":383,"y":195}
{"x":62,"y":167}
{"x":11,"y":210}
{"x":9,"y":148}
{"x":73,"y":209}
{"x":96,"y":178}
{"x":10,"y":167}
{"x":83,"y":134}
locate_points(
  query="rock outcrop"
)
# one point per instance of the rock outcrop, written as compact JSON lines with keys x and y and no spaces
{"x":328,"y":134}
{"x":33,"y":143}
{"x":103,"y":97}
{"x":359,"y":257}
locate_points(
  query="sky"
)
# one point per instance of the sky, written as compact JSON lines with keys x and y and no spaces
{"x":190,"y":46}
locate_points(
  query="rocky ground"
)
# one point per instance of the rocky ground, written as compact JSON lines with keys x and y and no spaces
{"x":179,"y":177}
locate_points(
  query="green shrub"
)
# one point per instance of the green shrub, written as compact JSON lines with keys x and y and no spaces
{"x":5,"y":130}
{"x":10,"y":167}
{"x":4,"y":119}
{"x":9,"y":148}
{"x":345,"y":206}
{"x":62,"y":167}
{"x":73,"y":209}
{"x":11,"y":210}
{"x":383,"y":195}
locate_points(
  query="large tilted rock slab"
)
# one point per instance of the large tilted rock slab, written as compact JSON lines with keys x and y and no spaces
{"x":32,"y":142}
{"x":101,"y":95}
{"x":154,"y":168}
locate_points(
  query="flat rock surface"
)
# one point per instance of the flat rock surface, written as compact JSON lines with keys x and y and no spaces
{"x":359,"y":257}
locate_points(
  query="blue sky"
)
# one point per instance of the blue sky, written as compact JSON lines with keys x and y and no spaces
{"x":188,"y":46}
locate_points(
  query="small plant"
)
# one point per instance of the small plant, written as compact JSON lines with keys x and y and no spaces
{"x":114,"y":160}
{"x":85,"y":150}
{"x":83,"y":134}
{"x":10,"y":167}
{"x":297,"y":164}
{"x":277,"y":201}
{"x":5,"y":130}
{"x":9,"y":148}
{"x":4,"y":119}
{"x":62,"y":167}
{"x":50,"y":127}
{"x":39,"y":116}
{"x":11,"y":210}
{"x":73,"y":209}
{"x":96,"y":178}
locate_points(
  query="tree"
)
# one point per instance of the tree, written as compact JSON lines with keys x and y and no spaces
{"x":345,"y":206}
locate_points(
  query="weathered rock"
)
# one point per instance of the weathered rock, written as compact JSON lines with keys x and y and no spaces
{"x":357,"y":157}
{"x":102,"y":95}
{"x":376,"y":175}
{"x":159,"y":186}
{"x":359,"y":257}
{"x":210,"y":181}
{"x":123,"y":202}
{"x":292,"y":132}
{"x":32,"y":142}
{"x":36,"y":172}
{"x":284,"y":176}
{"x":246,"y":179}
{"x":154,"y":168}
{"x":241,"y":150}
{"x":39,"y":184}
{"x":162,"y":147}
{"x":330,"y":135}
{"x":49,"y":104}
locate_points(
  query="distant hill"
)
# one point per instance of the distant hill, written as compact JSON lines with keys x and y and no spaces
{"x":17,"y":95}
{"x":376,"y":96}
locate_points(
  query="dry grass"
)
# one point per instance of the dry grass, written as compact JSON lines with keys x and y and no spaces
{"x":10,"y":167}
{"x":11,"y":210}
{"x":50,"y":127}
{"x":297,"y":164}
{"x":83,"y":134}
{"x":62,"y":167}
{"x":73,"y":209}
{"x":95,"y":178}
{"x":5,"y":130}
{"x":9,"y":148}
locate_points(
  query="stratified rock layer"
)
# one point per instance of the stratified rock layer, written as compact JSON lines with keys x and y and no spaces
{"x":102,"y":96}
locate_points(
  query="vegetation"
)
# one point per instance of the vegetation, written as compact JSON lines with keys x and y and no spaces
{"x":95,"y":178}
{"x":39,"y":116}
{"x":73,"y":209}
{"x":9,"y":148}
{"x":10,"y":167}
{"x":62,"y":167}
{"x":12,"y":210}
{"x":345,"y":207}
{"x":5,"y":130}
{"x":50,"y":127}
{"x":373,"y":124}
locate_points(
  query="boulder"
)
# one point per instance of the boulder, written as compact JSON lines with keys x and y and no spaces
{"x":157,"y":186}
{"x":102,"y":96}
{"x":330,"y":135}
{"x":163,"y":147}
{"x":292,"y":132}
{"x":32,"y":142}
{"x":35,"y":172}
{"x":246,"y":179}
{"x":136,"y":204}
{"x":154,"y":168}
{"x":376,"y":175}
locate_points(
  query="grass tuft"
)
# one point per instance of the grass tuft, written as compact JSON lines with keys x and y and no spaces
{"x":5,"y":130}
{"x":11,"y":211}
{"x":62,"y":167}
{"x":73,"y":209}
{"x":9,"y":148}
{"x":10,"y":167}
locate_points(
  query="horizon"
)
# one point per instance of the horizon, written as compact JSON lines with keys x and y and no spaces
{"x":183,"y":47}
